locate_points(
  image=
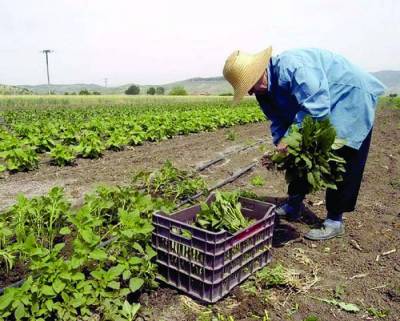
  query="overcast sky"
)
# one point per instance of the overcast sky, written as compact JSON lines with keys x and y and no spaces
{"x":159,"y":41}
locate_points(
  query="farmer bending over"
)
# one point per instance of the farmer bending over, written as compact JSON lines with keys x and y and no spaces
{"x":322,"y":84}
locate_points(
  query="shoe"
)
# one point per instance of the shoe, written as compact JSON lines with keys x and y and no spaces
{"x":288,"y":212}
{"x":326,"y":232}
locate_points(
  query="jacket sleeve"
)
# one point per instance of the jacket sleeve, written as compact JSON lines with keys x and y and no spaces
{"x":278,"y":128}
{"x":310,"y":88}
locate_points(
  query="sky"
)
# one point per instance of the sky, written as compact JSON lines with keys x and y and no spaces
{"x":156,"y":42}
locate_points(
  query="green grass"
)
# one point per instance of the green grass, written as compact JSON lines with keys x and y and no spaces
{"x":57,"y":101}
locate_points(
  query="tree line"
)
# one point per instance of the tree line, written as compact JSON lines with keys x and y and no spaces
{"x":175,"y":91}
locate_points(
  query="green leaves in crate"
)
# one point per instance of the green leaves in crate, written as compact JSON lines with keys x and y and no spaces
{"x":224,"y":213}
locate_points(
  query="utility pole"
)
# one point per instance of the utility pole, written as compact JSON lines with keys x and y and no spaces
{"x":46,"y":52}
{"x":105,"y":82}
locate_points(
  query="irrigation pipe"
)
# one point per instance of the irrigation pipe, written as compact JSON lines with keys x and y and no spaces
{"x":224,"y":155}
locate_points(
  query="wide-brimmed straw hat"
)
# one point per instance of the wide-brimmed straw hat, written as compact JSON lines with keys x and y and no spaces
{"x":243,"y":70}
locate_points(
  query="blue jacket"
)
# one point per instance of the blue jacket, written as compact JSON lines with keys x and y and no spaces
{"x":321,"y":84}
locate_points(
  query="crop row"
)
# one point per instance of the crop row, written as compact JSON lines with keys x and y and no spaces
{"x":69,"y":271}
{"x":65,"y":134}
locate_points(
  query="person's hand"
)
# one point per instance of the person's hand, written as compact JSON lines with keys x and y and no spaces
{"x":282,"y":147}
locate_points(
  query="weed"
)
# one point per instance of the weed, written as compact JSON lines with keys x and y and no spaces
{"x":231,"y":135}
{"x":257,"y":181}
{"x":373,"y":312}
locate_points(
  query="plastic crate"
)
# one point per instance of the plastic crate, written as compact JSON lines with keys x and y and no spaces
{"x":207,"y":265}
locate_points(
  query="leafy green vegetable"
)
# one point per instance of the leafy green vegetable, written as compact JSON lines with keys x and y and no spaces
{"x":62,"y":155}
{"x":223,"y":213}
{"x":87,"y":132}
{"x":311,"y":157}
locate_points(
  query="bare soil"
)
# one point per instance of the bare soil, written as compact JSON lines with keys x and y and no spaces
{"x":355,"y":268}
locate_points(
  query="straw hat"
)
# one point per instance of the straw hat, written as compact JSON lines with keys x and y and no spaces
{"x":243,"y":70}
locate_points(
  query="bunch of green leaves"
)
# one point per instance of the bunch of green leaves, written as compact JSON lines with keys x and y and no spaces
{"x":311,"y":155}
{"x":223,"y":213}
{"x":170,"y":182}
{"x":62,"y":155}
{"x":23,"y":158}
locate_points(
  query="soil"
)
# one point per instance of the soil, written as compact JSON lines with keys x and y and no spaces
{"x":359,"y":268}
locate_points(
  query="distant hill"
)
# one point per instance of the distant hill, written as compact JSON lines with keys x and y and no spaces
{"x":391,"y":79}
{"x":14,"y":90}
{"x":194,"y":86}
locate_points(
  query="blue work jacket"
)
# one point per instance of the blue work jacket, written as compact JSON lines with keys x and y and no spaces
{"x":321,"y":84}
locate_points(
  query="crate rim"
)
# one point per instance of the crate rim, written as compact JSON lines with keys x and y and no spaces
{"x":267,"y":215}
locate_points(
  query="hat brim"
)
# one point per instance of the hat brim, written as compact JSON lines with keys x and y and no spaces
{"x":252,"y":74}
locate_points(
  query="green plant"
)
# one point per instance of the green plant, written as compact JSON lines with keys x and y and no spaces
{"x":7,"y":259}
{"x":62,"y":155}
{"x":257,"y":180}
{"x":311,"y":158}
{"x":231,"y":135}
{"x":20,"y":159}
{"x":376,"y":313}
{"x":348,"y":307}
{"x":41,"y":217}
{"x":311,"y":318}
{"x":117,"y":140}
{"x":95,"y":126}
{"x":170,"y":182}
{"x":90,"y":145}
{"x":339,"y":291}
{"x":270,"y":277}
{"x":223,"y":213}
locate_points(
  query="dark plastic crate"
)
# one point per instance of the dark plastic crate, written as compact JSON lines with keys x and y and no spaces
{"x":207,"y":265}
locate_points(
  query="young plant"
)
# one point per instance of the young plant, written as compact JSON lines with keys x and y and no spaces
{"x":20,"y":159}
{"x":90,"y":145}
{"x":257,"y":181}
{"x":231,"y":135}
{"x":170,"y":182}
{"x":62,"y":155}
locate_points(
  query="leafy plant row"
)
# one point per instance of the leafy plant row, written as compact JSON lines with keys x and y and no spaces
{"x":69,"y":275}
{"x":65,"y":134}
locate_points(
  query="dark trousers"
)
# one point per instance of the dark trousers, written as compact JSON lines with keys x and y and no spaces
{"x":343,"y":199}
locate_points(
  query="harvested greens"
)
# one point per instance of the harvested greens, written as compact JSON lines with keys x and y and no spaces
{"x":311,"y":156}
{"x":224,"y":213}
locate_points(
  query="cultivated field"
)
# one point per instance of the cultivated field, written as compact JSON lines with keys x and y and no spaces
{"x":105,"y":140}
